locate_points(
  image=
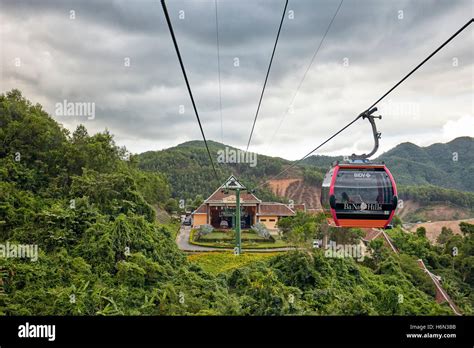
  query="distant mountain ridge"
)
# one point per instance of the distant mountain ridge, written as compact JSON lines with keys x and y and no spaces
{"x":189,"y":172}
{"x":449,"y":166}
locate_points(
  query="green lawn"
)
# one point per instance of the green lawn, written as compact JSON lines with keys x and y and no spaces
{"x":217,"y":235}
{"x":226,"y":261}
{"x":230,"y":236}
{"x":226,"y":239}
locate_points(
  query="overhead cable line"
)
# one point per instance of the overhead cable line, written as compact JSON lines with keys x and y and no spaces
{"x":423,"y":62}
{"x":370,"y":107}
{"x":305,"y":73}
{"x":268,"y":72}
{"x":219,"y":72}
{"x":316,"y":148}
{"x":165,"y":10}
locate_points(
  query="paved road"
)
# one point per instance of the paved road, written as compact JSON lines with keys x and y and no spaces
{"x":182,"y":239}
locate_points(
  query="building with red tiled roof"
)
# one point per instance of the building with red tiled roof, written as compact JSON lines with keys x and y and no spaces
{"x":218,"y":210}
{"x":441,"y":294}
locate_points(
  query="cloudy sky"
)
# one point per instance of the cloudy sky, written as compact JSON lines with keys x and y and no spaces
{"x":119,"y":55}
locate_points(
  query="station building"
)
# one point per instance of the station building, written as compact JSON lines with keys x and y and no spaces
{"x":218,"y":210}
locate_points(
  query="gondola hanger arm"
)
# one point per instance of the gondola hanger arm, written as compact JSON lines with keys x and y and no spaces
{"x":368,"y":114}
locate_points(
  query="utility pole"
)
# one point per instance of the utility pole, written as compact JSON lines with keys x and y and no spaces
{"x":238,"y":239}
{"x":233,"y":184}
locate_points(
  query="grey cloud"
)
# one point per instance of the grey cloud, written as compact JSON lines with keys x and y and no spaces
{"x":83,"y":59}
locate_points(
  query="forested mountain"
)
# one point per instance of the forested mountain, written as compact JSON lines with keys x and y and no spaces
{"x":189,"y":172}
{"x":423,"y":174}
{"x":449,"y":165}
{"x":88,"y":210}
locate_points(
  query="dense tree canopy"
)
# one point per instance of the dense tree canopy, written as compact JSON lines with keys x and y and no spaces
{"x":88,"y":207}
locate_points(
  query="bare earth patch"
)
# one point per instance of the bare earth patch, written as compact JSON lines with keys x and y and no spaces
{"x":433,"y":229}
{"x":297,"y":190}
{"x":433,"y":212}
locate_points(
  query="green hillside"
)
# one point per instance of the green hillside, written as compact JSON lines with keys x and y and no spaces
{"x":434,"y":165}
{"x":428,"y":175}
{"x":410,"y":164}
{"x":189,"y":172}
{"x":321,"y":161}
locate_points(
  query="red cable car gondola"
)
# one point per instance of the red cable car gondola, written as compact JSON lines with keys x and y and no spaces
{"x":360,"y":193}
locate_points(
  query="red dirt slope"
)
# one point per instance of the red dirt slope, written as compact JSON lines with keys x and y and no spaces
{"x":297,"y":190}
